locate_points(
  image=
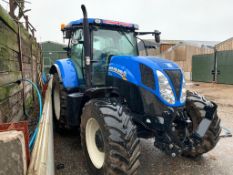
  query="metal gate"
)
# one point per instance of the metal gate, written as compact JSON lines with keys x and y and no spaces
{"x":202,"y":67}
{"x":225,"y":67}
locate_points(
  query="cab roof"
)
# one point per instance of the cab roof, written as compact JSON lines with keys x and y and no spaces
{"x":103,"y":22}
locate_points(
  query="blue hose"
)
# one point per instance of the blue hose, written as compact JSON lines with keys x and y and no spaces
{"x":34,"y":135}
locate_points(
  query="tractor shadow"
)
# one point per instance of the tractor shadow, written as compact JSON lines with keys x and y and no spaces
{"x":155,"y":162}
{"x":69,"y":159}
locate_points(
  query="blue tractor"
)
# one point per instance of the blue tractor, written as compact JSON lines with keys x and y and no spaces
{"x":114,"y":97}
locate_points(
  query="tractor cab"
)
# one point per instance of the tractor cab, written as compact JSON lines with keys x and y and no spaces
{"x":107,"y":38}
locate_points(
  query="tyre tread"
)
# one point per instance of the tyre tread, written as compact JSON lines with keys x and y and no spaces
{"x":212,"y":135}
{"x":124,"y":146}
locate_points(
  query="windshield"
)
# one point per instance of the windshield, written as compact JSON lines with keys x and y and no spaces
{"x":107,"y":43}
{"x":113,"y":42}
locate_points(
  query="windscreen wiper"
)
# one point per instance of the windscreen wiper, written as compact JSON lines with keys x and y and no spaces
{"x":124,"y":34}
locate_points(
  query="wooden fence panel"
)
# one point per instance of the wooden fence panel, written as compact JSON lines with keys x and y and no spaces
{"x":20,"y":57}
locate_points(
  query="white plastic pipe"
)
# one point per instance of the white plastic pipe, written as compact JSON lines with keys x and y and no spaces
{"x":42,"y":159}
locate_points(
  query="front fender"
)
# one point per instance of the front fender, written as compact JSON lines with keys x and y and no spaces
{"x":66,"y":72}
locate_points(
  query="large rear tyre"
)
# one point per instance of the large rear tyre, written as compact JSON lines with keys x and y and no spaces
{"x":109,"y":138}
{"x":59,"y":102}
{"x":195,"y":105}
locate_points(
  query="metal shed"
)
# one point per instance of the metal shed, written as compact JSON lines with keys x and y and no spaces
{"x":225,"y":61}
{"x":183,"y":52}
{"x":204,"y":65}
{"x":51,"y":52}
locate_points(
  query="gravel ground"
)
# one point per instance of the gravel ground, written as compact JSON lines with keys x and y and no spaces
{"x":69,"y":158}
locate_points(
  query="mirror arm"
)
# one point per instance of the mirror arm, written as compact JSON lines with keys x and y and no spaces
{"x":144,"y":45}
{"x":156,"y":34}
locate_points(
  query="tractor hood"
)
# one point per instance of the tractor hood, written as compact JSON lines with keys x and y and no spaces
{"x":158,"y":63}
{"x":132,"y":63}
{"x":144,"y":72}
{"x":155,"y":63}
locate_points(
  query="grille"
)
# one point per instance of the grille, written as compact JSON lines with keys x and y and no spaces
{"x":147,"y":76}
{"x":175,"y":77}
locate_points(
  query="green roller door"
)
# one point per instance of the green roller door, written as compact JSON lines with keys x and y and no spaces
{"x":225,"y":67}
{"x":202,"y":67}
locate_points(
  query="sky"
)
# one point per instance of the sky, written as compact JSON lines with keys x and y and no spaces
{"x":204,"y":20}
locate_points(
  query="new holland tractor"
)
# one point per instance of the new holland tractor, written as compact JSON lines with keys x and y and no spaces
{"x":114,"y":97}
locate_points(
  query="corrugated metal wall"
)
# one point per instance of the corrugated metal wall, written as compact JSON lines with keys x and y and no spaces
{"x":202,"y":67}
{"x":225,"y":45}
{"x":225,"y":67}
{"x":182,"y":55}
{"x":51,"y":52}
{"x":225,"y":61}
{"x":164,"y":47}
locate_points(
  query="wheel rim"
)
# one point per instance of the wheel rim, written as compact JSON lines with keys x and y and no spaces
{"x":94,"y":142}
{"x":56,"y":99}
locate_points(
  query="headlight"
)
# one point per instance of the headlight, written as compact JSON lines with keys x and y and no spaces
{"x":165,"y":88}
{"x":183,"y":92}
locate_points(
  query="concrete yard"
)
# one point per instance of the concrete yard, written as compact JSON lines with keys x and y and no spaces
{"x":70,"y":161}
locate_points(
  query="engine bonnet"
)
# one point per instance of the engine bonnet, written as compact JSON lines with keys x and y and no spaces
{"x":136,"y":68}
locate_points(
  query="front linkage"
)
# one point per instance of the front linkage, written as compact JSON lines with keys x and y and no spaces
{"x":177,"y":136}
{"x":185,"y":130}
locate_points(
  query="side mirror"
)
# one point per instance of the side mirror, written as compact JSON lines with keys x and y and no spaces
{"x":77,"y":37}
{"x":157,"y":36}
{"x":67,"y":34}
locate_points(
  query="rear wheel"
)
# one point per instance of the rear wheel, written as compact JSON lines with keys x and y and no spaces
{"x":195,"y":106}
{"x":59,"y":101}
{"x":109,"y":138}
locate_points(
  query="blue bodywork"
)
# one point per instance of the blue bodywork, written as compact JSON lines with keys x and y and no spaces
{"x":123,"y":67}
{"x":102,"y":22}
{"x":67,"y":72}
{"x":127,"y":68}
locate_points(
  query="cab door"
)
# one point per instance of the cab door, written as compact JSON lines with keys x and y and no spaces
{"x":77,"y":53}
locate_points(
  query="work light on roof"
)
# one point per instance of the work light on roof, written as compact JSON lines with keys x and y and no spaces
{"x":97,"y":21}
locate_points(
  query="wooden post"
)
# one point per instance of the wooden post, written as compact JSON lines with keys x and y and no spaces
{"x":27,"y":23}
{"x":13,"y":6}
{"x":21,"y":63}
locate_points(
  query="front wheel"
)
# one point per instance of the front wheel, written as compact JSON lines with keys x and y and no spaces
{"x":195,"y":106}
{"x":109,"y":138}
{"x":59,"y":102}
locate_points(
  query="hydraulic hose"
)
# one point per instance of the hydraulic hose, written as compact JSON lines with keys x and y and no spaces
{"x":34,"y":135}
